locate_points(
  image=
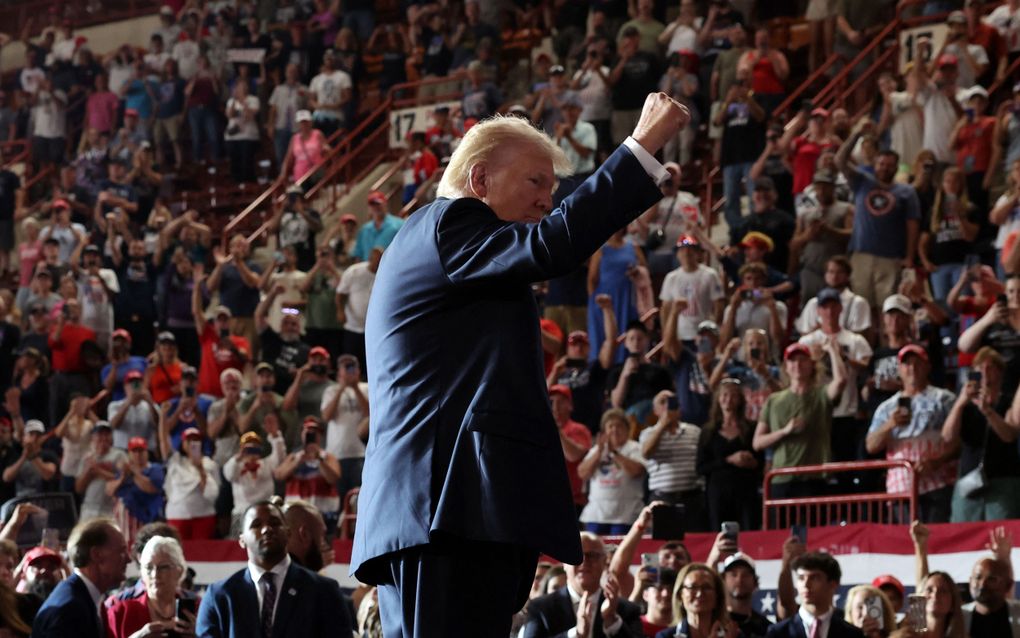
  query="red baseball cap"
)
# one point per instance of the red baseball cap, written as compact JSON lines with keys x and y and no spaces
{"x":348,"y":218}
{"x":311,"y":423}
{"x":795,"y":349}
{"x":121,"y":333}
{"x":890,"y":581}
{"x":137,"y":443}
{"x":948,"y":59}
{"x":133,"y":112}
{"x":561,"y":390}
{"x":61,"y":203}
{"x":320,"y":351}
{"x":40,"y":552}
{"x":911,"y":348}
{"x":191,"y":433}
{"x":687,"y":240}
{"x":820,"y":112}
{"x":132,"y":375}
{"x":377,"y":197}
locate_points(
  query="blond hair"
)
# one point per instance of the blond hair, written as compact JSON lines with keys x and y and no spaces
{"x":489,"y":137}
{"x":869,"y":591}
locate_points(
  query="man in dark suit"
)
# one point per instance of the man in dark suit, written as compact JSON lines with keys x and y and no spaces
{"x":817,"y":576}
{"x":272,"y":597}
{"x":592,"y":611}
{"x":99,"y":555}
{"x":464,"y":471}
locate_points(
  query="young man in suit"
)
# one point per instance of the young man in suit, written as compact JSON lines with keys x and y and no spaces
{"x":100,"y":555}
{"x":272,"y":597}
{"x":583,"y":605}
{"x":464,"y":455}
{"x":817,"y":578}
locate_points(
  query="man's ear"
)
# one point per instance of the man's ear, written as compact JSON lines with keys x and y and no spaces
{"x":477,"y":180}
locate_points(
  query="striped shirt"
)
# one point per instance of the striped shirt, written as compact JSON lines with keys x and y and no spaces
{"x":671,"y":465}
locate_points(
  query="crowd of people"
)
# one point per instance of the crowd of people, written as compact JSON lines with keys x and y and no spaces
{"x":859,"y":299}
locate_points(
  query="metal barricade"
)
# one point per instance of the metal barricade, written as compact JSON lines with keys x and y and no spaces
{"x":825,"y":509}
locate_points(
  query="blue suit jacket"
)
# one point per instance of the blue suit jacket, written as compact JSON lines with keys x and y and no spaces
{"x":68,"y":612}
{"x":552,"y":616}
{"x":462,"y":440}
{"x":307,"y":605}
{"x":794,"y":628}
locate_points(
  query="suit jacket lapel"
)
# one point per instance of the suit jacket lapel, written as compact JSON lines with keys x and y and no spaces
{"x":81,"y":590}
{"x":285,"y":600}
{"x":247,"y":620}
{"x":799,"y":630}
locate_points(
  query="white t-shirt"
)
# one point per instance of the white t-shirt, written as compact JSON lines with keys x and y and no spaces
{"x":1008,"y":24}
{"x":186,"y":53}
{"x":251,"y":485}
{"x":685,"y":37}
{"x":356,"y":283}
{"x":755,"y":315}
{"x":1011,"y":225}
{"x":120,"y":74}
{"x":291,"y":282}
{"x":701,"y":288}
{"x":595,"y":96}
{"x":156,"y":61}
{"x":966,"y":74}
{"x":30,"y":78}
{"x":95,"y":502}
{"x":48,"y":115}
{"x":613,"y":495}
{"x":906,"y":133}
{"x":287,"y":100}
{"x":138,"y":421}
{"x":246,"y":128}
{"x":939,"y":121}
{"x":328,"y":88}
{"x":856,"y":315}
{"x":854,"y":347}
{"x":184,"y":500}
{"x":342,"y":431}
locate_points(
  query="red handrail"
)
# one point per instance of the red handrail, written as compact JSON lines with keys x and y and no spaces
{"x":806,"y":84}
{"x":821,"y":509}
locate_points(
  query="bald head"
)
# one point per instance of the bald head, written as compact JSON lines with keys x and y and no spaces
{"x":307,"y":543}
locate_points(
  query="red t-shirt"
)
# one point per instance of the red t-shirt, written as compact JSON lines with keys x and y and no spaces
{"x":424,"y":166}
{"x":67,"y":350}
{"x":970,"y":310}
{"x":215,"y":359}
{"x":805,"y":154}
{"x":974,"y":145}
{"x":581,"y":435}
{"x":165,"y":381}
{"x":649,"y":629}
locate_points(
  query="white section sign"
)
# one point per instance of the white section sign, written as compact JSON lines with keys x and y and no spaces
{"x":415,"y":118}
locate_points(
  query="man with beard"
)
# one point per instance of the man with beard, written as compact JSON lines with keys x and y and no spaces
{"x":741,"y":580}
{"x":307,"y":546}
{"x":273,"y":596}
{"x":991,"y":615}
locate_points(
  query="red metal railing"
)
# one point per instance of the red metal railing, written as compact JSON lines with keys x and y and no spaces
{"x":876,"y":507}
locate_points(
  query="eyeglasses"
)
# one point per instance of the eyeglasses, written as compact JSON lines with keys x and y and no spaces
{"x":290,"y":311}
{"x":730,"y":381}
{"x":700,"y":589}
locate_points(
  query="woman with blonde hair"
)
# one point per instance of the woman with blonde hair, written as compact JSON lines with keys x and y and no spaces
{"x":29,"y":254}
{"x":1006,"y":213}
{"x":699,"y":609}
{"x":858,"y":612}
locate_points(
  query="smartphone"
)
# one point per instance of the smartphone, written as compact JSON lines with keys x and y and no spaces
{"x":266,"y":388}
{"x":904,"y":403}
{"x":253,"y":450}
{"x":184,"y":604}
{"x":51,"y":538}
{"x":974,"y":375}
{"x":730,"y":530}
{"x":745,"y":295}
{"x":634,"y":355}
{"x":969,"y":113}
{"x":189,"y":391}
{"x":756,"y":353}
{"x":873,"y":608}
{"x":999,"y":298}
{"x":575,"y":363}
{"x":672,"y":403}
{"x":705,"y":346}
{"x":224,"y":333}
{"x":650,"y":562}
{"x":800,"y":531}
{"x":668,"y":522}
{"x":309,"y":438}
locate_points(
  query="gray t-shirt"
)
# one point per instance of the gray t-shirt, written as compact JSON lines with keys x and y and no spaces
{"x":95,"y":502}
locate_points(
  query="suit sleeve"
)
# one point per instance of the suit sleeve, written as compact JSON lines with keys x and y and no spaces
{"x":208,"y":623}
{"x":631,"y":627}
{"x":332,"y":610}
{"x":535,"y":626}
{"x":474,"y":245}
{"x":63,"y":621}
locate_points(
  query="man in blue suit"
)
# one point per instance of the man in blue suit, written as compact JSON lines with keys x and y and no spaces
{"x":464,"y":472}
{"x":272,"y":597}
{"x":99,"y":555}
{"x":817,"y":577}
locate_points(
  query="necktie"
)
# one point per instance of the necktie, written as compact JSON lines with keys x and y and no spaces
{"x":815,"y":629}
{"x":268,"y":602}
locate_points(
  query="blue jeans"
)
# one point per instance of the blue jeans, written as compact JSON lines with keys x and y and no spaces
{"x":733,"y":176}
{"x":204,"y":132}
{"x":281,"y":141}
{"x":943,"y":280}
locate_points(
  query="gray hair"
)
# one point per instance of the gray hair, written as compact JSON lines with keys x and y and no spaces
{"x":487,"y":139}
{"x":164,"y":545}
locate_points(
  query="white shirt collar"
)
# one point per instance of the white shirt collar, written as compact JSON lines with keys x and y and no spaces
{"x":279,"y":571}
{"x":575,"y":597}
{"x":809,"y":620}
{"x":94,"y":592}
